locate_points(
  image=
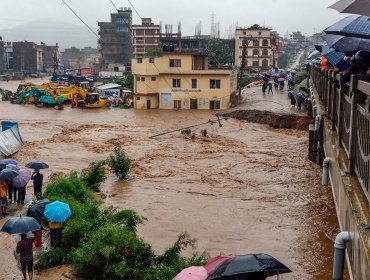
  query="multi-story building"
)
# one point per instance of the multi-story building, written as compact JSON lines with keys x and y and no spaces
{"x":115,"y":42}
{"x":27,"y":57}
{"x":72,"y":57}
{"x":145,"y":37}
{"x":2,"y":56}
{"x":181,"y":80}
{"x":261,"y":48}
{"x":8,"y":48}
{"x":50,"y":56}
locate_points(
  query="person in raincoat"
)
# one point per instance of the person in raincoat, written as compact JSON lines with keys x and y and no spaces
{"x":3,"y":197}
{"x":37,"y":178}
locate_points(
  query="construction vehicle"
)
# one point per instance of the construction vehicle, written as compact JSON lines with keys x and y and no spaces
{"x":41,"y":97}
{"x":90,"y":100}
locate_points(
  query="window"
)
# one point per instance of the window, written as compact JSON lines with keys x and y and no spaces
{"x":255,"y":63}
{"x":120,"y":20}
{"x":115,"y":69}
{"x":165,"y":99}
{"x":265,"y":42}
{"x":138,"y":79}
{"x":244,"y":33}
{"x":215,"y":83}
{"x":143,"y":79}
{"x":151,"y":60}
{"x":194,"y":83}
{"x":175,"y":62}
{"x":122,"y":29}
{"x":176,"y":83}
{"x":139,"y":60}
{"x":256,"y":43}
{"x":255,"y":52}
{"x":265,"y":52}
{"x":260,"y":33}
{"x":138,"y":98}
{"x":153,"y":78}
{"x":265,"y":63}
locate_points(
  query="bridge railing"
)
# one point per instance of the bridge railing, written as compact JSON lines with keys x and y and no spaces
{"x":348,"y":108}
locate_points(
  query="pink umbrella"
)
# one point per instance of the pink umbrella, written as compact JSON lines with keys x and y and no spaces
{"x":192,"y":273}
{"x":214,"y":262}
{"x":22,"y":179}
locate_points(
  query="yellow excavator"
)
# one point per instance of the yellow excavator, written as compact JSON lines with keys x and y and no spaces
{"x":77,"y":96}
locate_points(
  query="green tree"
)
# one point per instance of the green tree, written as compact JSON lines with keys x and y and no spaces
{"x":129,"y":81}
{"x":154,"y":51}
{"x":219,"y":52}
{"x":283,"y":60}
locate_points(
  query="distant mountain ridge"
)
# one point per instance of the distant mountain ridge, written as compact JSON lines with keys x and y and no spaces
{"x":65,"y":34}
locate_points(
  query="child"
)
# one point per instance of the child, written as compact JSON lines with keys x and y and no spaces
{"x":3,"y":197}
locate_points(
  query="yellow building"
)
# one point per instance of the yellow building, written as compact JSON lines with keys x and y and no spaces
{"x":262,"y":47}
{"x":181,"y":80}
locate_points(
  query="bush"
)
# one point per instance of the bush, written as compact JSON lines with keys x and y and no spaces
{"x":299,"y":77}
{"x":119,"y":162}
{"x":303,"y":89}
{"x":67,"y":187}
{"x":94,"y":175}
{"x":52,"y":257}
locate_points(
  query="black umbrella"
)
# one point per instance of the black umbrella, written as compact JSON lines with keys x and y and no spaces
{"x":36,"y":210}
{"x":8,"y":174}
{"x":2,"y":166}
{"x":36,"y":164}
{"x":20,"y":225}
{"x":352,"y":26}
{"x":346,"y":44}
{"x":256,"y":266}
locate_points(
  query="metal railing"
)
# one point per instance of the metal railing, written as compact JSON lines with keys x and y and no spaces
{"x":348,"y":106}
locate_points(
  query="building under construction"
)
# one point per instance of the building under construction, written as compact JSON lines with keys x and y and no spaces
{"x":115,"y":42}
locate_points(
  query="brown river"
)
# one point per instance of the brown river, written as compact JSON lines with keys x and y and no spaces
{"x":246,"y":188}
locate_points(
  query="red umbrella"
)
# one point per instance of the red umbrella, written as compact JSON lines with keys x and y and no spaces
{"x":214,"y":262}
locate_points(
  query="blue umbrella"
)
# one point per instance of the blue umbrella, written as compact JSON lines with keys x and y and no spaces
{"x":336,"y":59}
{"x":9,"y":161}
{"x":57,"y":212}
{"x":12,"y":166}
{"x":346,"y":44}
{"x":352,"y":26}
{"x":20,"y":225}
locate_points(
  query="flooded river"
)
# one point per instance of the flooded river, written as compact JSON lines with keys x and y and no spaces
{"x":245,"y":188}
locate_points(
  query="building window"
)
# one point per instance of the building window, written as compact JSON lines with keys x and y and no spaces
{"x":153,"y":78}
{"x":194,"y":83}
{"x":122,"y":29}
{"x":120,"y":20}
{"x":215,"y":83}
{"x":256,"y":43}
{"x":244,"y":33}
{"x":115,"y":69}
{"x":143,"y":79}
{"x":265,"y":52}
{"x":166,"y":99}
{"x":138,"y":98}
{"x":176,"y":83}
{"x":265,"y":63}
{"x":151,"y":60}
{"x":139,"y":60}
{"x":260,"y":33}
{"x":255,"y":63}
{"x":175,"y":62}
{"x":256,"y":52}
{"x":265,"y":43}
{"x":138,"y":79}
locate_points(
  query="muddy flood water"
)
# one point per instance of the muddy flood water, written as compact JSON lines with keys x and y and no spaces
{"x":246,"y":188}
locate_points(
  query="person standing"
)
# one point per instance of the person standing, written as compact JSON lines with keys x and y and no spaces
{"x":24,"y":249}
{"x":21,"y":194}
{"x":37,"y":178}
{"x":12,"y":192}
{"x":270,"y":89}
{"x":3,"y":197}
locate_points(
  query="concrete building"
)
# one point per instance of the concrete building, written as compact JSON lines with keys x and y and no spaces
{"x":50,"y":56}
{"x":145,"y":37}
{"x":261,"y":54}
{"x":8,"y":48}
{"x":27,"y":57}
{"x":181,"y":80}
{"x":2,"y":56}
{"x":115,"y":43}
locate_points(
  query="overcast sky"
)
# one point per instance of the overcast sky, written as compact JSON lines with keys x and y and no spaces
{"x":308,"y":16}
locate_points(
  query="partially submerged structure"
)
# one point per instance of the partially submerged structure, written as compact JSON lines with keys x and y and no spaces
{"x":10,"y":138}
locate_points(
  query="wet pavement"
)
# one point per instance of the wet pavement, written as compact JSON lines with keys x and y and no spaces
{"x":245,"y":188}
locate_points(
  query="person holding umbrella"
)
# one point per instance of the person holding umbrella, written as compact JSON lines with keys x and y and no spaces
{"x":24,"y":249}
{"x":37,"y":178}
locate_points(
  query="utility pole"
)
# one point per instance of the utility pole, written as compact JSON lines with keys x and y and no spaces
{"x":55,"y":63}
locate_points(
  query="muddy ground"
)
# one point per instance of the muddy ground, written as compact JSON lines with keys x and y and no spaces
{"x":245,"y":188}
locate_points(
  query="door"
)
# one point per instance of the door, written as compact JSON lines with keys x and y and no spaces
{"x":214,"y":105}
{"x":193,"y":103}
{"x":148,"y":104}
{"x":177,"y":104}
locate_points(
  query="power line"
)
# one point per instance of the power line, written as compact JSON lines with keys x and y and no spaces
{"x":134,"y":9}
{"x":81,"y":19}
